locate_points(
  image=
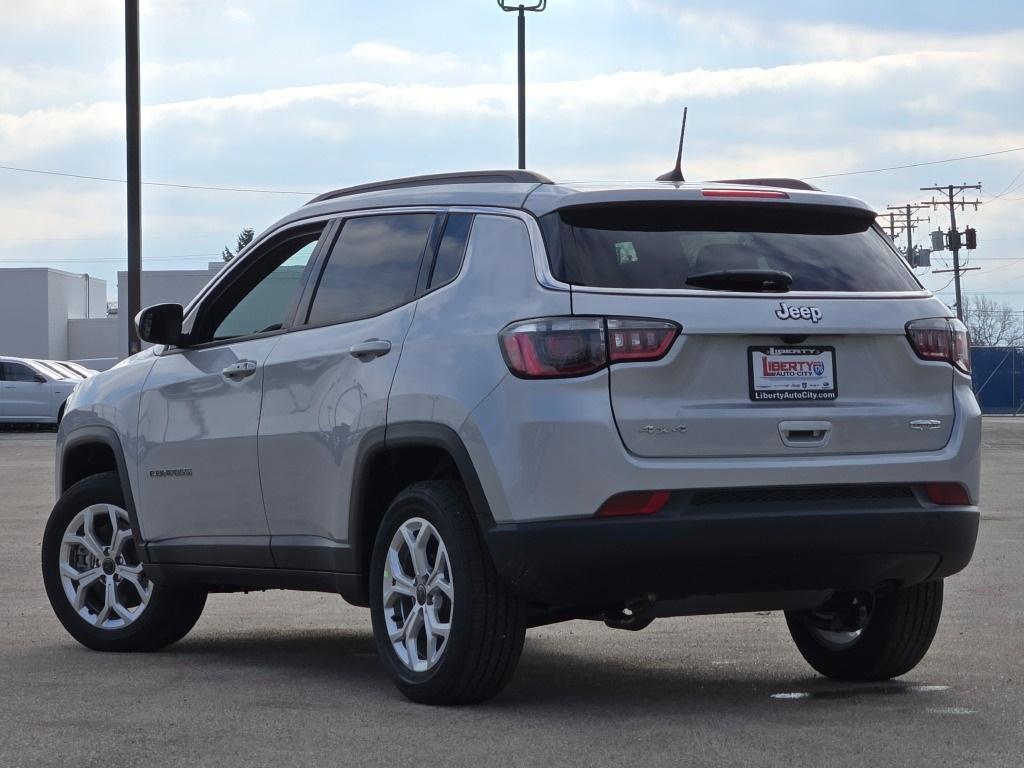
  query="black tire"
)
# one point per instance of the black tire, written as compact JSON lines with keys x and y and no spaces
{"x":171,"y":611}
{"x":487,"y":619}
{"x":899,"y":632}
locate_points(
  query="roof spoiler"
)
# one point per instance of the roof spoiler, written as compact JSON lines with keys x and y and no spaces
{"x":776,"y":182}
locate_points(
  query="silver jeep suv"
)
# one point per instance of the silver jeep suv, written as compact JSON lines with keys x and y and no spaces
{"x":483,"y":402}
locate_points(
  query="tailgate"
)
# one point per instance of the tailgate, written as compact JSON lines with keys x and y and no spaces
{"x":849,"y":380}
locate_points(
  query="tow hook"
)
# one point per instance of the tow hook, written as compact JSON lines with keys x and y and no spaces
{"x":633,"y":616}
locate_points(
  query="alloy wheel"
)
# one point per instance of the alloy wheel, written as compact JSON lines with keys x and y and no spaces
{"x":100,"y":569}
{"x":419,"y":595}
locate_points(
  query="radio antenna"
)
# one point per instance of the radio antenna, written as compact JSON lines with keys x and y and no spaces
{"x":676,"y":174}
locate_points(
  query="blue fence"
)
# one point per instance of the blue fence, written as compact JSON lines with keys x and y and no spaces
{"x":998,"y":377}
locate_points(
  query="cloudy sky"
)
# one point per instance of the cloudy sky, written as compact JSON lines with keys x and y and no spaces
{"x":306,"y":96}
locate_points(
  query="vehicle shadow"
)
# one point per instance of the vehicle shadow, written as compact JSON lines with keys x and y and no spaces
{"x":549,"y":678}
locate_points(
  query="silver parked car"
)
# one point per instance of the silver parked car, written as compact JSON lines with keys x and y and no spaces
{"x":34,"y":391}
{"x":484,"y":402}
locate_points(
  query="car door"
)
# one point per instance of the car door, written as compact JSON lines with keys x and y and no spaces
{"x":327,"y":382}
{"x":26,"y":393}
{"x":198,"y":468}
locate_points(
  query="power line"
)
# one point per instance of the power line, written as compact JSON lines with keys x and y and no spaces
{"x":255,"y":190}
{"x":915,"y":165}
{"x":156,"y":183}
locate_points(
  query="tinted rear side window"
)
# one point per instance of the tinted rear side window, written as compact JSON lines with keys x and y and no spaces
{"x":17,"y":372}
{"x":451,"y":249}
{"x":372,"y":268}
{"x":659,"y":246}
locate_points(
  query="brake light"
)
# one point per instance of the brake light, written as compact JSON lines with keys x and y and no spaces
{"x":765,"y":194}
{"x":947,"y":494}
{"x":634,"y":503}
{"x":562,"y":347}
{"x":555,"y":347}
{"x":944,"y":339}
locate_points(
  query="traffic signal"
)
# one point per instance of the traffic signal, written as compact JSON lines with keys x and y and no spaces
{"x":971,"y":238}
{"x":938,"y":241}
{"x":955,"y":244}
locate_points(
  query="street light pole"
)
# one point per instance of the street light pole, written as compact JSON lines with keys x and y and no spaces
{"x":521,"y":9}
{"x":133,"y":134}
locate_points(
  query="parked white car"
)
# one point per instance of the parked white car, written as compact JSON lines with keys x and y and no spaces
{"x":34,"y":391}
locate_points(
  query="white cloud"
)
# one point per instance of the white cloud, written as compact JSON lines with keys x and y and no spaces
{"x":90,"y":212}
{"x":375,"y":52}
{"x":237,"y":14}
{"x":35,"y":131}
{"x":333,"y":130}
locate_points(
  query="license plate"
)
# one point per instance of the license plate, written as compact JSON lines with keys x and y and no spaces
{"x":785,"y":374}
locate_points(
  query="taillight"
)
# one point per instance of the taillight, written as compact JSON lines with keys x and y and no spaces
{"x":554,"y":347}
{"x":639,"y":339}
{"x":947,"y":494}
{"x":561,"y":347}
{"x":634,"y":503}
{"x":941,"y":338}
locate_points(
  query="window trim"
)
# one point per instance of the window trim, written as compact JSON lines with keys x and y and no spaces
{"x":428,"y":287}
{"x":306,"y":307}
{"x":230,"y":277}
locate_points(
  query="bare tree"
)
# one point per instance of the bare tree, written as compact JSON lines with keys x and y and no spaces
{"x":992,"y":323}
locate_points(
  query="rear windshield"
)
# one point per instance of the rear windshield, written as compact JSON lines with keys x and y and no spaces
{"x":659,"y":246}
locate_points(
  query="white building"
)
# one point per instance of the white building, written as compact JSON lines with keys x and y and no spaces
{"x":39,"y":305}
{"x":51,"y":314}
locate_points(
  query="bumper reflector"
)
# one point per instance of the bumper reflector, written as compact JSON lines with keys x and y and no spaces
{"x":634,"y":503}
{"x":947,"y":494}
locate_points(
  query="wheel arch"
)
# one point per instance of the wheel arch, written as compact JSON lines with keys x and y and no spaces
{"x":390,"y":459}
{"x":92,"y":450}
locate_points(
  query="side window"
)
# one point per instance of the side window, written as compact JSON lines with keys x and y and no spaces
{"x":452,"y":249}
{"x":261,"y":298}
{"x":18,"y":372}
{"x":372,"y":268}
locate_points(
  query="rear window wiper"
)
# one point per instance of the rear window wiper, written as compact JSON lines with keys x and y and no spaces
{"x":751,"y":280}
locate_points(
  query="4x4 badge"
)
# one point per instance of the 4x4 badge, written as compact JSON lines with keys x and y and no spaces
{"x":786,"y":312}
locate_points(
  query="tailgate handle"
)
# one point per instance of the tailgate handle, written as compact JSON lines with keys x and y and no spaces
{"x":805,"y":434}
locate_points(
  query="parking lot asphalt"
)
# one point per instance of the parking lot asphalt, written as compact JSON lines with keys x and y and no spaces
{"x":283,"y":678}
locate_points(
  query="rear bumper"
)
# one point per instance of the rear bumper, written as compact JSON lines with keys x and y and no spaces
{"x":678,"y":554}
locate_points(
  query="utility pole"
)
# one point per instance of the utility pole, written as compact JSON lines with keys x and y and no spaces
{"x":908,"y":226}
{"x":891,"y":225}
{"x":951,"y":202}
{"x":536,"y":7}
{"x":133,"y":132}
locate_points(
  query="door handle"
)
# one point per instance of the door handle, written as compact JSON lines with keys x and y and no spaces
{"x":370,"y":349}
{"x":240,"y":370}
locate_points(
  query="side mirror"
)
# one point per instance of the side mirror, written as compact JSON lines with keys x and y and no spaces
{"x":39,"y":378}
{"x":160,"y":324}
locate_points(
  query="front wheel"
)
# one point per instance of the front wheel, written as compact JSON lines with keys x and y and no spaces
{"x":896,"y":635}
{"x":447,"y":629}
{"x":95,"y":580}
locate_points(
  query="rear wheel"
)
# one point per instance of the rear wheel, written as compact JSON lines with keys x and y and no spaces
{"x":95,"y":580}
{"x":447,"y":629}
{"x":895,"y":636}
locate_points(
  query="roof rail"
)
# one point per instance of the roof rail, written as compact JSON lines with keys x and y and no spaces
{"x":777,"y":182}
{"x":462,"y":177}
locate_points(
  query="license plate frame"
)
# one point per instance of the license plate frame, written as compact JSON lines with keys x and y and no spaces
{"x":816,"y":387}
